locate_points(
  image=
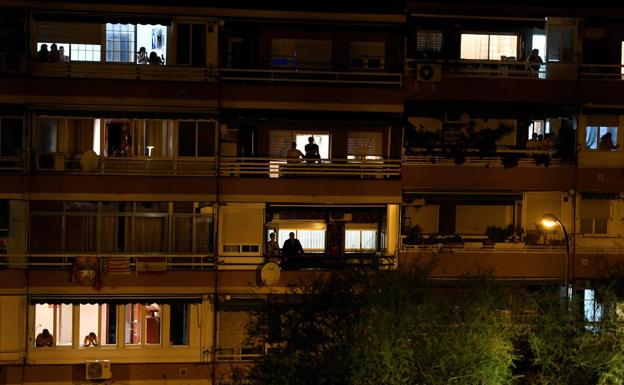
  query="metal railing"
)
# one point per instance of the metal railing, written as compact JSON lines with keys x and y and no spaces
{"x":314,"y":261}
{"x":111,"y":263}
{"x":160,"y":166}
{"x":238,"y":353}
{"x":123,"y":71}
{"x":281,"y":76}
{"x":280,"y":168}
{"x":11,"y":164}
{"x":516,"y":69}
{"x":525,"y":158}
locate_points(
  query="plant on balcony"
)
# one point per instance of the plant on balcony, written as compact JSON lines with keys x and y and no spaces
{"x":500,"y":234}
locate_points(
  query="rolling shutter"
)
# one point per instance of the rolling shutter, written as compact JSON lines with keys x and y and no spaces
{"x":361,"y":144}
{"x":62,"y":32}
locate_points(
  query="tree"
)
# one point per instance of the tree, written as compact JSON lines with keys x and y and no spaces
{"x":384,"y":328}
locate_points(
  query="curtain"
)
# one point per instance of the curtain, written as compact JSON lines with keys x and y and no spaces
{"x":150,"y":234}
{"x":591,"y":137}
{"x":79,"y":135}
{"x":80,"y":233}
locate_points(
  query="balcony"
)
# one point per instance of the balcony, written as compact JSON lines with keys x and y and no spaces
{"x":80,"y":70}
{"x":156,"y":166}
{"x":11,"y":164}
{"x":505,"y":158}
{"x":280,"y":168}
{"x":295,"y":76}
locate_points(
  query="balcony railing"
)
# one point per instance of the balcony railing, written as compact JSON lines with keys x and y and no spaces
{"x":284,"y":76}
{"x":11,"y":164}
{"x":123,"y":71}
{"x":516,"y":69}
{"x":313,"y":261}
{"x":111,"y":263}
{"x":281,"y":168}
{"x":145,"y":166}
{"x":524,"y":158}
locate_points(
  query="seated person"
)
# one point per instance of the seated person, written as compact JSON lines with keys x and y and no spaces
{"x":142,"y":56}
{"x":90,"y":340}
{"x":44,"y":339}
{"x":533,"y":143}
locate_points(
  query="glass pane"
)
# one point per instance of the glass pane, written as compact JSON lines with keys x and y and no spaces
{"x":368,"y":239}
{"x":179,"y":326}
{"x":133,"y":317}
{"x":474,"y":46}
{"x":183,"y":234}
{"x":152,"y":323}
{"x":64,"y":321}
{"x":108,"y":333}
{"x":587,"y":226}
{"x":150,"y":234}
{"x":45,"y":135}
{"x":204,"y":238}
{"x":352,"y":239}
{"x":186,"y":138}
{"x":115,"y":234}
{"x":80,"y":234}
{"x":89,"y":316}
{"x":10,"y":137}
{"x":44,"y":323}
{"x":120,"y":46}
{"x":45,"y":233}
{"x":205,"y":138}
{"x":601,"y":226}
{"x":503,"y":45}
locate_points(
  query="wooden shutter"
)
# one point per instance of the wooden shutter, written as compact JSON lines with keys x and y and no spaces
{"x":361,"y":144}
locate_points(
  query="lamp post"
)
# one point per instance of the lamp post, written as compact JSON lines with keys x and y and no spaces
{"x":549,"y":221}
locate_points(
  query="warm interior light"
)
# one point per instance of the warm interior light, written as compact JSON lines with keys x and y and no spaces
{"x":149,"y":150}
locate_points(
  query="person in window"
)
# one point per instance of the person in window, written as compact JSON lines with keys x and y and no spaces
{"x":44,"y":339}
{"x":142,"y":56}
{"x":606,"y":143}
{"x":55,"y":55}
{"x":534,"y":143}
{"x":90,"y":340}
{"x":43,"y":55}
{"x":291,"y":251}
{"x":154,"y":59}
{"x":312,"y":151}
{"x":535,"y":60}
{"x":272,"y":249}
{"x":61,"y":53}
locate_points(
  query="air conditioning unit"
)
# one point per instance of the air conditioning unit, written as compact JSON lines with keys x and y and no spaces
{"x":51,"y":161}
{"x":98,"y":370}
{"x":428,"y":72}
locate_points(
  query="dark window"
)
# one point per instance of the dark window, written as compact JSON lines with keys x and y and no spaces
{"x":183,"y":53}
{"x":110,"y":325}
{"x":10,"y":137}
{"x":198,"y":40}
{"x":179,"y":330}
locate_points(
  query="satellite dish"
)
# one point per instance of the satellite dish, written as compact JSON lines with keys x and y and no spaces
{"x":89,"y":161}
{"x":270,"y":273}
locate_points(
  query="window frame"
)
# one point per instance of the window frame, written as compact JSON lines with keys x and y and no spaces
{"x":489,"y":35}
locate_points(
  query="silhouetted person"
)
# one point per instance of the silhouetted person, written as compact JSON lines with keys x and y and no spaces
{"x":43,"y":55}
{"x":55,"y":55}
{"x":535,"y":60}
{"x":292,"y":251}
{"x":154,"y":60}
{"x":606,"y":143}
{"x":272,"y":249}
{"x":44,"y":339}
{"x":312,"y":151}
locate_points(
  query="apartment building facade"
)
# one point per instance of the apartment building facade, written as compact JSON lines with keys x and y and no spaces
{"x":144,"y":165}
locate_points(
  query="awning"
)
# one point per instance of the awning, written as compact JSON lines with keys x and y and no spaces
{"x":113,"y":299}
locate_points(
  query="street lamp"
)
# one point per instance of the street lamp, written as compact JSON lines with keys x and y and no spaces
{"x":549,"y":221}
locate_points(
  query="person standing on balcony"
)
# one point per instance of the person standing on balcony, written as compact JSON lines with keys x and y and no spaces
{"x":43,"y":55}
{"x":293,"y":156}
{"x":292,"y":251}
{"x":272,"y":249}
{"x":55,"y":55}
{"x":142,"y":56}
{"x":535,"y":60}
{"x":312,"y":151}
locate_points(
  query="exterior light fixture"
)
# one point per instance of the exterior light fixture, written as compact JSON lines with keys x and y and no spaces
{"x":549,"y":221}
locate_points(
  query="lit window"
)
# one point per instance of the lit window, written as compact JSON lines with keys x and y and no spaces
{"x":312,"y":240}
{"x":360,"y":240}
{"x":488,"y":47}
{"x":539,"y":127}
{"x":592,"y":309}
{"x":429,"y":41}
{"x":120,"y":43}
{"x":53,"y":325}
{"x":142,"y":324}
{"x":601,"y":138}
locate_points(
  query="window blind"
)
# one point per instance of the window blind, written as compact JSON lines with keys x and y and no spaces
{"x":362,"y":144}
{"x":77,"y":33}
{"x":280,"y":143}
